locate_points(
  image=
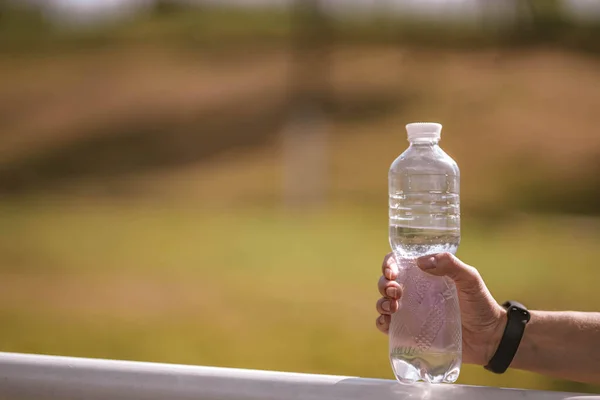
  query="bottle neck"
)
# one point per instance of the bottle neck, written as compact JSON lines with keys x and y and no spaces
{"x":424,"y":142}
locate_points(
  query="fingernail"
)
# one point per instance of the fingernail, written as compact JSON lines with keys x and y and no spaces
{"x":385,"y":305}
{"x":426,"y":262}
{"x":392,"y":292}
{"x":388,"y":273}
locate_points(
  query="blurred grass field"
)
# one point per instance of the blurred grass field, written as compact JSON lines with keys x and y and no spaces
{"x":141,"y":186}
{"x":252,"y":288}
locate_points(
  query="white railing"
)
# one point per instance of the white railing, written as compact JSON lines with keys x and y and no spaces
{"x":35,"y":377}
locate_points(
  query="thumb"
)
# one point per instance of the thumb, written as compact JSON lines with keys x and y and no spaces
{"x":446,"y":264}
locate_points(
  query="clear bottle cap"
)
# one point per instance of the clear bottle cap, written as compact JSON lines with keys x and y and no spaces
{"x":424,"y":131}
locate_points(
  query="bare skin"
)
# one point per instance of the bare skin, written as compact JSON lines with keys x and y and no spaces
{"x":563,"y":345}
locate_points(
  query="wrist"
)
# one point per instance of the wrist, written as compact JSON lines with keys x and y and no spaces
{"x":517,"y":318}
{"x":496,"y":335}
{"x":530,"y":342}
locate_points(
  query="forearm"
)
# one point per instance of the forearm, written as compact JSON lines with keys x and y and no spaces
{"x":561,"y":344}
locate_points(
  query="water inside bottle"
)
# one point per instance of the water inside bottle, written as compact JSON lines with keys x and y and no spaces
{"x":431,"y":367}
{"x":425,"y":334}
{"x":409,"y":242}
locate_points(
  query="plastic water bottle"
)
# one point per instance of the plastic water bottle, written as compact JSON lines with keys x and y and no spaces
{"x":424,"y":210}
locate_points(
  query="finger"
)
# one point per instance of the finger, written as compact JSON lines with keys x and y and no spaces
{"x":389,"y":268}
{"x":389,"y":289}
{"x":386,"y":306}
{"x":446,"y":264}
{"x":383,"y":323}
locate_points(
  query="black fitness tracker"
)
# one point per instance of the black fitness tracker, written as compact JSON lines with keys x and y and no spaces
{"x":517,"y":318}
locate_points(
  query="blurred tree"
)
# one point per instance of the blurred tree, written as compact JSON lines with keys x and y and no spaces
{"x":311,"y":40}
{"x":304,"y":138}
{"x":168,"y":7}
{"x":547,"y":18}
{"x":22,"y":25}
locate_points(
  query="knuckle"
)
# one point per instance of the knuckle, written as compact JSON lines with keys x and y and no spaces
{"x":472,"y":282}
{"x":445,"y":258}
{"x":472,"y":274}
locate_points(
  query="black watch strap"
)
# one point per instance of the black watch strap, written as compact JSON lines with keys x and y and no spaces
{"x":518,"y":317}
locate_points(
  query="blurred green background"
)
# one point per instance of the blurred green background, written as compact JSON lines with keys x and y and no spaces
{"x":206,"y":183}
